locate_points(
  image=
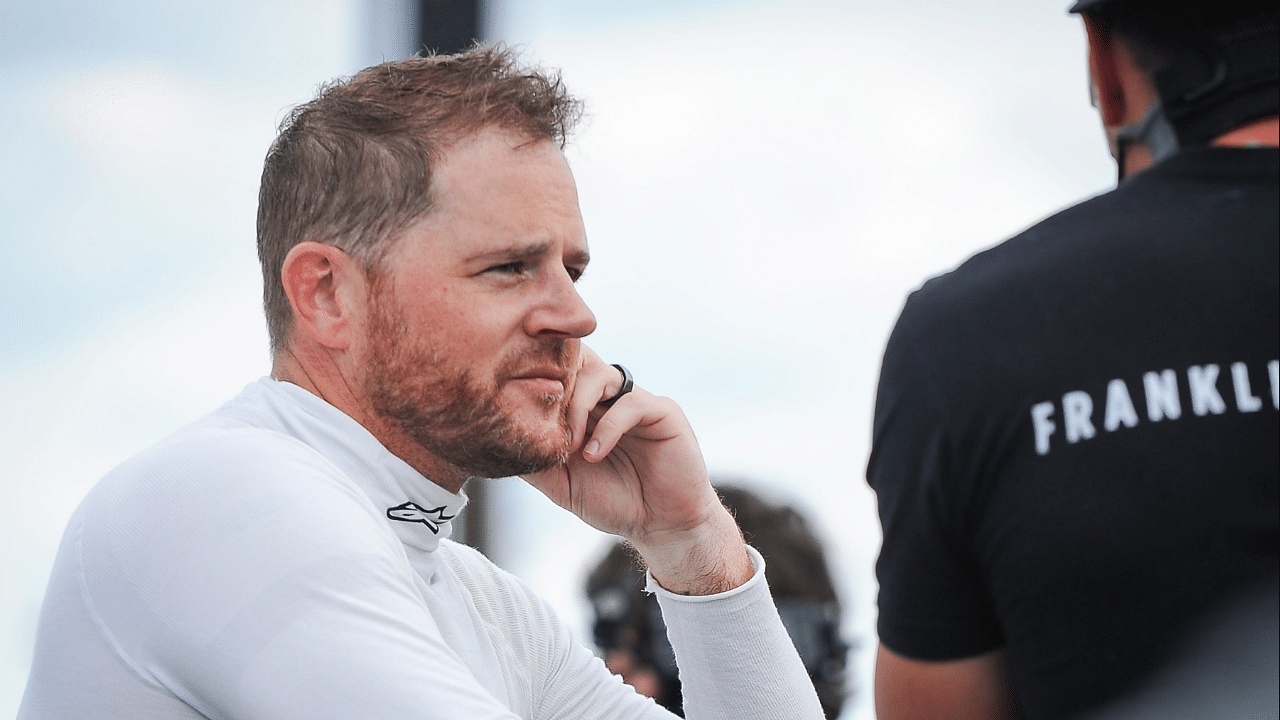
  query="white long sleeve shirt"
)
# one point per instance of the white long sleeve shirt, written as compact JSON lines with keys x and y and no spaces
{"x":274,"y":561}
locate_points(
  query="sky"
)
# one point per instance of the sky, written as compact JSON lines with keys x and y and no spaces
{"x":763,"y":183}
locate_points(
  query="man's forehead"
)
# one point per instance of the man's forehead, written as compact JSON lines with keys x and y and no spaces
{"x":498,"y":195}
{"x":493,"y":165}
{"x":497,"y":146}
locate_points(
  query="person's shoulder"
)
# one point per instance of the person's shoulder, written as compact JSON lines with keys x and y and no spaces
{"x":215,"y":478}
{"x":1013,"y":262}
{"x":217,"y":457}
{"x":182,"y":540}
{"x":997,"y":301}
{"x":1030,"y":267}
{"x":1148,"y":217}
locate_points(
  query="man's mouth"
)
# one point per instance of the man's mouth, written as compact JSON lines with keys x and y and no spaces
{"x":544,"y":381}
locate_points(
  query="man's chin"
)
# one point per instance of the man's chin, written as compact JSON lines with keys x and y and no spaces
{"x":529,"y":445}
{"x":540,"y":419}
{"x":503,"y":463}
{"x":549,"y":447}
{"x":544,"y":464}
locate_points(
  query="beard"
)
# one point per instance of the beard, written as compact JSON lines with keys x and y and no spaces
{"x":451,"y":414}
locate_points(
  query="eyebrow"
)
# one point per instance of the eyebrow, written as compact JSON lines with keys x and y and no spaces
{"x":514,"y":253}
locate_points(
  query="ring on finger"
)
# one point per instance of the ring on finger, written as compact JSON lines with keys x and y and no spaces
{"x":628,"y":384}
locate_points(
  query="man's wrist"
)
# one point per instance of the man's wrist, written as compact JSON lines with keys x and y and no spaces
{"x":707,"y":560}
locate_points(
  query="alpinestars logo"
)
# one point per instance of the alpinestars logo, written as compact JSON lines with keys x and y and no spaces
{"x":413,"y":512}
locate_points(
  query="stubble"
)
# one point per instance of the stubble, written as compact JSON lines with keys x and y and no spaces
{"x":451,"y":414}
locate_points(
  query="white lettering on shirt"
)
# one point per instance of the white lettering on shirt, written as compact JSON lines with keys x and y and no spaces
{"x":1203,"y":382}
{"x":1162,"y":395}
{"x":1077,"y":409}
{"x":1044,"y":427}
{"x":1246,"y":401}
{"x":1119,"y":407}
{"x":1162,"y":399}
{"x":1273,"y":368}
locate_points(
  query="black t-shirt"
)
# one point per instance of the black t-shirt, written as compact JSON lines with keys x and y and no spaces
{"x":1075,"y":448}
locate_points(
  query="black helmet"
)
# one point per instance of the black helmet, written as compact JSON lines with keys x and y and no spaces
{"x":1220,"y":67}
{"x":1086,"y":5}
{"x":1245,"y":6}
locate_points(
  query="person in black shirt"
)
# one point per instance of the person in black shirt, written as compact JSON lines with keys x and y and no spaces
{"x":1075,"y":446}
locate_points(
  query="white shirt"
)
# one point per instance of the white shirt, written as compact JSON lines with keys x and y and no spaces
{"x":274,"y":561}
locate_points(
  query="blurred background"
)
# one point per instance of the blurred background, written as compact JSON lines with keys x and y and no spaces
{"x":763,"y":182}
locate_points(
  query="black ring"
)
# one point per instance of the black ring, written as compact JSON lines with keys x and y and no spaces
{"x":628,"y":384}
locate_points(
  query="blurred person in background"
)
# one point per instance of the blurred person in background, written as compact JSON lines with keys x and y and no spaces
{"x":287,"y":557}
{"x":630,"y":634}
{"x":1075,"y":437}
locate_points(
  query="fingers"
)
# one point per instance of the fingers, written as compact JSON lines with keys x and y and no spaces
{"x":637,"y":413}
{"x":596,"y":381}
{"x":609,"y":429}
{"x":586,"y":393}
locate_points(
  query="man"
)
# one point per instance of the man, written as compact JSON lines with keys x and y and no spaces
{"x":1074,"y":448}
{"x":287,"y":557}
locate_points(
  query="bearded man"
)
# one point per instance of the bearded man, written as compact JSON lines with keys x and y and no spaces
{"x":288,"y":556}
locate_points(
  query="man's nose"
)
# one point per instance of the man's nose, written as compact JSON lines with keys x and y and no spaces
{"x":561,"y":311}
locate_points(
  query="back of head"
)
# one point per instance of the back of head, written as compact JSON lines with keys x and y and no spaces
{"x":352,"y":168}
{"x":1214,"y":63}
{"x":779,"y":531}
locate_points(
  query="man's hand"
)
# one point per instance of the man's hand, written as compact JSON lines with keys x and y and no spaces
{"x":636,"y":471}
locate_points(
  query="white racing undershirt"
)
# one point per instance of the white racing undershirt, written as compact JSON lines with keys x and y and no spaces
{"x":274,"y":561}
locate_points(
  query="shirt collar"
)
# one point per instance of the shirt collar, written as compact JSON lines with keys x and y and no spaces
{"x":418,"y":510}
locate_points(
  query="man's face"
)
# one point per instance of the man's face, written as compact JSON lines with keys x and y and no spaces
{"x":473,"y":334}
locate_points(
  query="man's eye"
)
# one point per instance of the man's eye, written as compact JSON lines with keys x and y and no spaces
{"x":575,"y":273}
{"x":511,"y":268}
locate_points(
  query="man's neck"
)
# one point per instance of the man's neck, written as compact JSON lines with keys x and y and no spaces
{"x":314,"y":371}
{"x":1259,"y":133}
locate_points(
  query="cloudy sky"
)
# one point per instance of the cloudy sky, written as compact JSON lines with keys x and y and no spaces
{"x":763,"y":182}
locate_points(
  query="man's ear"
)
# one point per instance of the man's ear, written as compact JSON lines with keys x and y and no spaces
{"x":1104,"y":72}
{"x":327,"y":290}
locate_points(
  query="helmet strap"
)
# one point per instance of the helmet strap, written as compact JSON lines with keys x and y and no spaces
{"x":1153,"y":131}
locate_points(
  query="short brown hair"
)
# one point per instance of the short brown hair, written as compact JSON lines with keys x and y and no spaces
{"x":352,"y":168}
